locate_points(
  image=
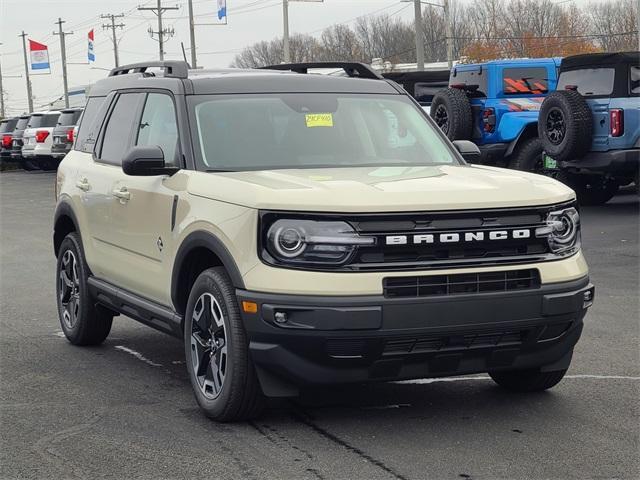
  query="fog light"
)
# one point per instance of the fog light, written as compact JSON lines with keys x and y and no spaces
{"x":587,"y":298}
{"x":280,"y":317}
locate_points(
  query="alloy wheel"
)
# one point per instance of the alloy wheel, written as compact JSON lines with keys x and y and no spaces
{"x":209,"y":345}
{"x":69,"y":289}
{"x":442,"y":118}
{"x":556,"y":127}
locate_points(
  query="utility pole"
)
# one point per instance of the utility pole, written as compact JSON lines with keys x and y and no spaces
{"x":26,"y":70}
{"x":113,"y":26}
{"x":1,"y":93}
{"x":285,"y":18}
{"x":447,"y":18}
{"x":159,"y":10}
{"x":64,"y":59}
{"x":419,"y":36}
{"x":192,"y":36}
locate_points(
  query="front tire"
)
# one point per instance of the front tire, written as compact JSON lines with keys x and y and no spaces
{"x":220,"y":369}
{"x":82,"y":321}
{"x":527,"y":380}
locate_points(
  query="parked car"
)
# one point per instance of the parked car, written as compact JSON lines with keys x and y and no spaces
{"x":6,"y":127}
{"x":590,"y":127}
{"x":63,"y":133}
{"x":37,"y":140}
{"x":421,"y":85}
{"x":496,"y":105}
{"x":16,"y":143}
{"x":297,"y":230}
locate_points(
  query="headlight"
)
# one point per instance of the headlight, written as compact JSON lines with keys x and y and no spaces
{"x":562,"y":230}
{"x":294,"y":241}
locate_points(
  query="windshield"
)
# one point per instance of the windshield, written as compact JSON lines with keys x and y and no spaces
{"x":263,"y":132}
{"x":590,"y":81}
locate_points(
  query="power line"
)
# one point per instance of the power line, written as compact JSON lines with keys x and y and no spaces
{"x":161,"y":32}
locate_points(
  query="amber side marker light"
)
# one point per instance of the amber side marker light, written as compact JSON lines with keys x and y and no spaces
{"x":249,"y":307}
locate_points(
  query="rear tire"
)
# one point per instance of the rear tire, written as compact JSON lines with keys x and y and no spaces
{"x":451,"y":110}
{"x":82,"y":321}
{"x":220,"y":369}
{"x":594,"y":189}
{"x":528,"y":156}
{"x":527,"y":380}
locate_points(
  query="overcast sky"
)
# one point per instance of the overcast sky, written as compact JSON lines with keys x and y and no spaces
{"x":249,"y":21}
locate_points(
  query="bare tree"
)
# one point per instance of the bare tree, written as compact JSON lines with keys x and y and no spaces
{"x":612,"y":21}
{"x":339,"y":42}
{"x":386,"y":37}
{"x":303,"y":48}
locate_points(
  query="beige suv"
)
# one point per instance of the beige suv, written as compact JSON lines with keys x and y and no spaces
{"x":298,"y":229}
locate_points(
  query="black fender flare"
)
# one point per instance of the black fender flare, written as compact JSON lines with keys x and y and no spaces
{"x":197,"y":239}
{"x":64,"y":208}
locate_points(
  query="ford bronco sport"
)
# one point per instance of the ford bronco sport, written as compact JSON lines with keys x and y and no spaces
{"x":496,"y":104}
{"x":590,"y":127}
{"x":297,"y":229}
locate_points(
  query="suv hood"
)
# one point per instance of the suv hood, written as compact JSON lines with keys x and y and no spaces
{"x":381,"y":189}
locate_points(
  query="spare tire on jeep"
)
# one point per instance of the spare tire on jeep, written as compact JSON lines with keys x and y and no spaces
{"x":565,"y":125}
{"x":451,"y":110}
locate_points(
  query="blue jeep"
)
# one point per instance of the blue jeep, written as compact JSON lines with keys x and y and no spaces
{"x":590,"y":127}
{"x":496,"y":105}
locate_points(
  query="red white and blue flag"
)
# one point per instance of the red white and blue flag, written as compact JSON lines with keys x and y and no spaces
{"x":90,"y":53}
{"x":39,"y":56}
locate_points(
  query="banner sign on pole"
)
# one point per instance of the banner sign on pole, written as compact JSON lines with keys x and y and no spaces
{"x":39,"y":56}
{"x":222,"y":10}
{"x":90,"y":53}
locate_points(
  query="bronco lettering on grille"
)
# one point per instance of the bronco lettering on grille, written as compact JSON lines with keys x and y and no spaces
{"x":458,"y":237}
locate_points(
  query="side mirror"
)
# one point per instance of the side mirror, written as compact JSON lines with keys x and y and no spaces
{"x":146,"y":161}
{"x":469,"y":150}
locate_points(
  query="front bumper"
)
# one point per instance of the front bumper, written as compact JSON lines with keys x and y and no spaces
{"x":616,"y":162}
{"x":329,"y":340}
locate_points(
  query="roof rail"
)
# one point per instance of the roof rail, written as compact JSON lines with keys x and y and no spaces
{"x":172,"y":68}
{"x":352,"y":69}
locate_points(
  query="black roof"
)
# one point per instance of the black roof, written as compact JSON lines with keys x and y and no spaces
{"x":599,"y":59}
{"x":235,"y":81}
{"x":419,"y":76}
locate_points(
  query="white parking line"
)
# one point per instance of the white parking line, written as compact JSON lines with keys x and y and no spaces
{"x":423,"y":381}
{"x":138,"y":355}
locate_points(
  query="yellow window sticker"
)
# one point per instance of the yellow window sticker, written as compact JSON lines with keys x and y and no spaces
{"x":319,"y":120}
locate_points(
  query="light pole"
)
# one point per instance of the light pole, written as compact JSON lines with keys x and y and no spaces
{"x":418,"y":25}
{"x":285,"y":27}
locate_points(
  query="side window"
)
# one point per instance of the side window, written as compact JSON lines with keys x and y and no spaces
{"x":87,"y":132}
{"x":523,"y":81}
{"x":121,"y":123}
{"x":158,"y":126}
{"x":634,"y":79}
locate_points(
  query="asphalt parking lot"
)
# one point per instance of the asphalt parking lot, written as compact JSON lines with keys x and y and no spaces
{"x":125,"y":409}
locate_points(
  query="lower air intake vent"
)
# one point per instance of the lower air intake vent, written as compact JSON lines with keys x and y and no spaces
{"x":461,"y":283}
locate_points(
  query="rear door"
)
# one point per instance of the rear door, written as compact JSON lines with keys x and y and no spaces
{"x":99,"y":177}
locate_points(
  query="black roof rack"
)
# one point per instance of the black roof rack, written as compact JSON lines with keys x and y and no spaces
{"x":352,"y":69}
{"x":172,"y":68}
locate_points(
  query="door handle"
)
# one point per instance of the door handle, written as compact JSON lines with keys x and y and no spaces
{"x":122,"y":193}
{"x":83,"y":184}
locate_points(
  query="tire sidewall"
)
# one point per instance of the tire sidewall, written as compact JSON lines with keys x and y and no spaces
{"x":72,"y":243}
{"x":210,"y":282}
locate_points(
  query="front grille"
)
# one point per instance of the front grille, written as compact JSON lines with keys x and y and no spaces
{"x":461,"y":283}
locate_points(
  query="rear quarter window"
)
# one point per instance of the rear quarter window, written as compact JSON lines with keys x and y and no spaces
{"x":35,"y":121}
{"x":89,"y":125}
{"x":525,"y":81}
